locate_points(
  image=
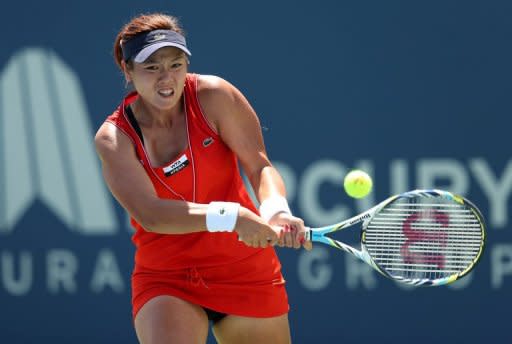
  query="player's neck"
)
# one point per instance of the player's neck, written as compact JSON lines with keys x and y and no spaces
{"x":151,"y":116}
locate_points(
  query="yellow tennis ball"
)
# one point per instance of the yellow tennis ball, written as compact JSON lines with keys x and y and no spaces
{"x":357,"y":184}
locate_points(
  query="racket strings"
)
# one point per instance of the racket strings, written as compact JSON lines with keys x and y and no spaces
{"x":424,"y":239}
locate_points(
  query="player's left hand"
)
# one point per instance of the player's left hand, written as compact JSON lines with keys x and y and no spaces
{"x":292,"y":231}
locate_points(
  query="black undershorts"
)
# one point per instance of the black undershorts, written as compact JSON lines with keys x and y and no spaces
{"x":214,"y":316}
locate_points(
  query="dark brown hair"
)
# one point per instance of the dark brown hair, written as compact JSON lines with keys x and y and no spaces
{"x":144,"y":23}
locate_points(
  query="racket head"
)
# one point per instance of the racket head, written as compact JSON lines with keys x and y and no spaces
{"x":424,"y":237}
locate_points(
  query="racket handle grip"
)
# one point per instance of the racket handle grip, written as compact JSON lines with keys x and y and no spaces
{"x":307,"y":234}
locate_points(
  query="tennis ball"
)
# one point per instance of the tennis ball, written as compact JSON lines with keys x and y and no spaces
{"x":357,"y":184}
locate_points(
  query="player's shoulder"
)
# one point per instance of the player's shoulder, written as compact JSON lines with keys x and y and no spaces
{"x":210,"y":82}
{"x":212,"y":86}
{"x":109,"y":138}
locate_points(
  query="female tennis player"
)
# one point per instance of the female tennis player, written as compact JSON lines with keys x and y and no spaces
{"x":170,"y":155}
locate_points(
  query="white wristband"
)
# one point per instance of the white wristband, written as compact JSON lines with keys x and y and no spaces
{"x":221,"y":216}
{"x":273,"y":205}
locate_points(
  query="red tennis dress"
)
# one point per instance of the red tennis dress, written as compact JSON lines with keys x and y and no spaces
{"x":213,"y":270}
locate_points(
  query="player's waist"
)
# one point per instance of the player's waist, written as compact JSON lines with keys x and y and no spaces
{"x":167,"y":252}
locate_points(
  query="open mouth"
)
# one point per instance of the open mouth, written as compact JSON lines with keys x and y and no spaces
{"x":166,"y":92}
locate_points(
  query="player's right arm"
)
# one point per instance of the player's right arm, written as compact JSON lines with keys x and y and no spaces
{"x":130,"y":185}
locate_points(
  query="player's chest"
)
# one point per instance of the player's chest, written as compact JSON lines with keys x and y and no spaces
{"x":165,"y":145}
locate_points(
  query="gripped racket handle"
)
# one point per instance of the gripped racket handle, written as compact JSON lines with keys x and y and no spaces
{"x":308,"y":234}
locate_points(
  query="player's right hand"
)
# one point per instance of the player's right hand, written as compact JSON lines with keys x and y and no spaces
{"x":292,"y":231}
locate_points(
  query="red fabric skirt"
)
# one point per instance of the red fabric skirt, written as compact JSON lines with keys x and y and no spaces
{"x":252,"y":287}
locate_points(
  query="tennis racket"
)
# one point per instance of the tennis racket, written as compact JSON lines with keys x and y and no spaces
{"x":420,"y":237}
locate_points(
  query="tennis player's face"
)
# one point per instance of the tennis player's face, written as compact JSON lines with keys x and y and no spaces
{"x":161,"y":78}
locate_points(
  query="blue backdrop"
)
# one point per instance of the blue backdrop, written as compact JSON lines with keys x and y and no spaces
{"x":416,"y":93}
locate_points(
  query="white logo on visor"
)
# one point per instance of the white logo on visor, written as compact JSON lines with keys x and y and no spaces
{"x":157,"y":37}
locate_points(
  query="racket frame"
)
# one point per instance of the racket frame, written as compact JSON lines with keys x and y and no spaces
{"x":320,"y":235}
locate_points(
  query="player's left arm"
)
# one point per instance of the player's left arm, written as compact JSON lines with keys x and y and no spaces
{"x":231,"y":115}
